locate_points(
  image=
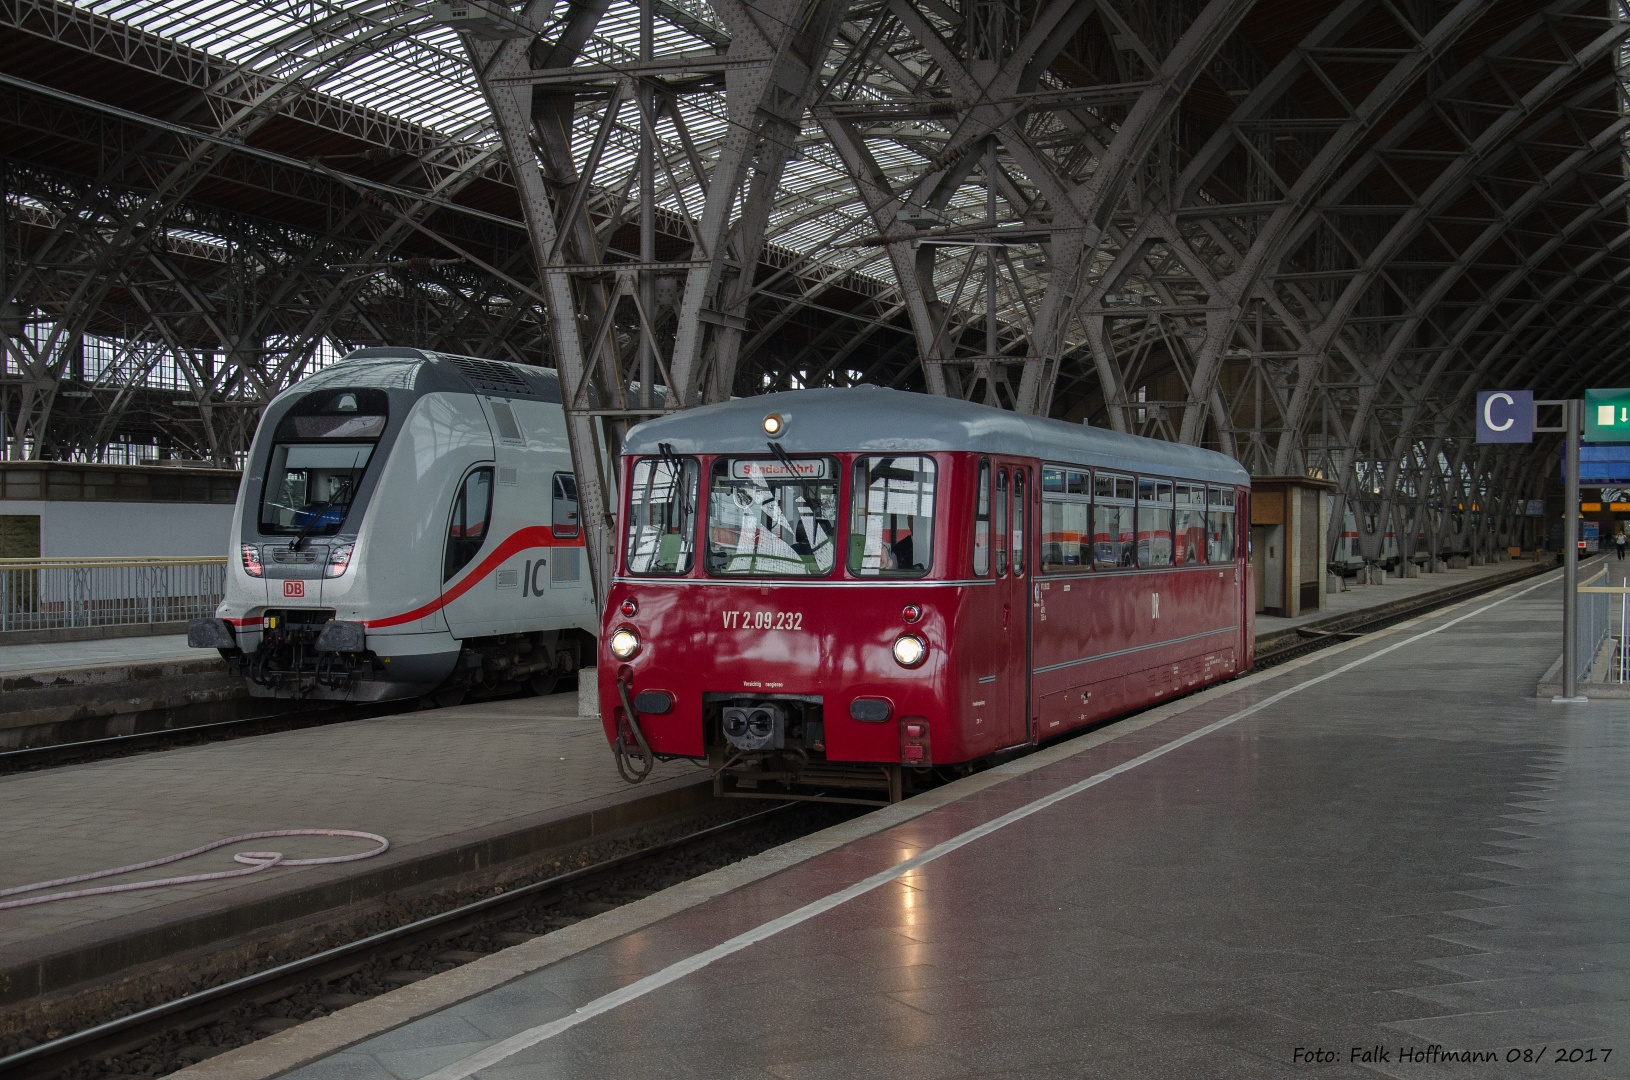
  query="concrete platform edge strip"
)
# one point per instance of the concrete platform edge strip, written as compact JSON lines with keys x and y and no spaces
{"x":299,"y":1046}
{"x":62,"y":962}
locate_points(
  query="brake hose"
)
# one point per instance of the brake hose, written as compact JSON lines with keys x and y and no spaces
{"x":632,"y":773}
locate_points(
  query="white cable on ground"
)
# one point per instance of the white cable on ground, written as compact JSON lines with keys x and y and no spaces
{"x":256,"y":860}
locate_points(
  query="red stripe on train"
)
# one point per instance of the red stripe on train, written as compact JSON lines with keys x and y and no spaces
{"x":533,"y":536}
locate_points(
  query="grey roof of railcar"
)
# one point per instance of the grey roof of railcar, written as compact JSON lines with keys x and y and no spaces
{"x":877,"y":419}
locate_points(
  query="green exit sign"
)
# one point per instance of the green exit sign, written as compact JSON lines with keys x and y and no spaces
{"x":1607,"y":415}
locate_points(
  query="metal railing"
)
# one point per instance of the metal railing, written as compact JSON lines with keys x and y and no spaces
{"x":1594,"y":612}
{"x":50,"y":594}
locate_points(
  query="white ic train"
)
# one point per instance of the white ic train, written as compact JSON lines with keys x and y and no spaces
{"x":407,"y":525}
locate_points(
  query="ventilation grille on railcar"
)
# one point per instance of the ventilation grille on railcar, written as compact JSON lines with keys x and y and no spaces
{"x":493,"y":378}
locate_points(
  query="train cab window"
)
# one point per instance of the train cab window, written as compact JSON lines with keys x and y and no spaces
{"x":891,"y":520}
{"x":1154,"y":522}
{"x":1019,"y":512}
{"x":467,"y":531}
{"x":772,"y":518}
{"x":320,"y":451}
{"x":1189,"y":532}
{"x":1220,"y":526}
{"x":1066,"y":502}
{"x":1001,"y":522}
{"x":564,"y":519}
{"x":981,"y":523}
{"x":1114,"y":539}
{"x":661,"y":538}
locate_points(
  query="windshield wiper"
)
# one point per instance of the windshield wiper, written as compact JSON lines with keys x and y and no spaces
{"x":316,"y":518}
{"x":810,"y":497}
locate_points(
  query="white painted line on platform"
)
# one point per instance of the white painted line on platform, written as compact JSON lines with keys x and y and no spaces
{"x":501,"y":1051}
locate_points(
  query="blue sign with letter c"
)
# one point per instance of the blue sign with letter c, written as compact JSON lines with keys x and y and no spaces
{"x":1505,"y":416}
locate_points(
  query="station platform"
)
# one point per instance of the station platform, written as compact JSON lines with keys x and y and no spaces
{"x":54,"y":656}
{"x":1359,"y":598}
{"x":1358,"y":863}
{"x":452,"y":790}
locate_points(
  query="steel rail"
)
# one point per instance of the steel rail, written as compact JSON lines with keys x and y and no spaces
{"x":113,"y":745}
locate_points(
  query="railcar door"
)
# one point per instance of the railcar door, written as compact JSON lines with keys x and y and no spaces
{"x":999,"y":653}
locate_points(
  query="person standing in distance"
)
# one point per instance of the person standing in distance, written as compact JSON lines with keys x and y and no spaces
{"x":1618,"y":543}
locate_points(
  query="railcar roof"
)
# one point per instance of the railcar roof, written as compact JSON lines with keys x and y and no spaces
{"x":872,"y":418}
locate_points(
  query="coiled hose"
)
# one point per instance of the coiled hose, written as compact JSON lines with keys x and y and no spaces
{"x":630,"y":767}
{"x":256,"y":860}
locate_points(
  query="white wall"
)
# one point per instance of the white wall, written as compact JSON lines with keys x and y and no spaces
{"x":76,"y":530}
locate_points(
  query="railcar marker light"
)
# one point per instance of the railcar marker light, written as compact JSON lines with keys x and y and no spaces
{"x":624,"y":643}
{"x":251,"y":561}
{"x":338,"y":559}
{"x":774,"y":424}
{"x":911,"y":613}
{"x":628,"y":608}
{"x":909,"y":651}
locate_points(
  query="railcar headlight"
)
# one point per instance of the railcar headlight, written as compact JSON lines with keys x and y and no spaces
{"x":909,"y":650}
{"x":774,"y":424}
{"x":251,"y":561}
{"x":338,"y":559}
{"x":624,"y":643}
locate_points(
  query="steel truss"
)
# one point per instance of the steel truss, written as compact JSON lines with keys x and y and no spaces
{"x":1301,"y":235}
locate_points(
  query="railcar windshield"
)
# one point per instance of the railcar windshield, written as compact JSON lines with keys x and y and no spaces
{"x":661,"y":516}
{"x":772,"y":518}
{"x":320,"y":451}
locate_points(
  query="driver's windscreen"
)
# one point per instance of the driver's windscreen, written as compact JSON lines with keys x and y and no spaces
{"x":309,"y":486}
{"x":772,"y":518}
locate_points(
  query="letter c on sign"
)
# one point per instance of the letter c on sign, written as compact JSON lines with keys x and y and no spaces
{"x":1488,"y":412}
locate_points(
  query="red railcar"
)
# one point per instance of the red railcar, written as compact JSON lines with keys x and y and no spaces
{"x":837,"y":593}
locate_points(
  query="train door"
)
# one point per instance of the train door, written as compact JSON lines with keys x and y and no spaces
{"x":1018,"y":601}
{"x":1005,"y":692}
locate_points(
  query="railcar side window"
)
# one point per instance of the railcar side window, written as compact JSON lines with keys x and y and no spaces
{"x":662,"y":516}
{"x":891,"y":521}
{"x":1019,"y":511}
{"x":1001,"y":523}
{"x":1189,"y":535}
{"x":1220,"y":526}
{"x":1154,"y":522}
{"x":772,"y":518}
{"x":565,"y":522}
{"x":1114,"y":541}
{"x":981,"y":523}
{"x":1066,"y":502}
{"x":467,"y":531}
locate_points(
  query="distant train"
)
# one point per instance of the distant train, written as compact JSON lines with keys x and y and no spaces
{"x":407,"y":525}
{"x":835,"y":593}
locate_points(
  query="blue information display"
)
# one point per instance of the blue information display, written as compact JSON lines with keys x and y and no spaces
{"x":1606,"y":464}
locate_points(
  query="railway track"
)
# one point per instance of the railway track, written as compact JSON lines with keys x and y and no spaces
{"x":184,"y":1030}
{"x":52,"y":755}
{"x":1333,"y":632}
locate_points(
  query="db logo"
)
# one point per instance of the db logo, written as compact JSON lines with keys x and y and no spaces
{"x":294,"y":589}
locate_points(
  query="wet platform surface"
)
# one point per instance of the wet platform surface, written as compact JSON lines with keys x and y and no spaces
{"x":1391,"y":844}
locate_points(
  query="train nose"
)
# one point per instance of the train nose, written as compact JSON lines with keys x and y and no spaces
{"x":755,"y":727}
